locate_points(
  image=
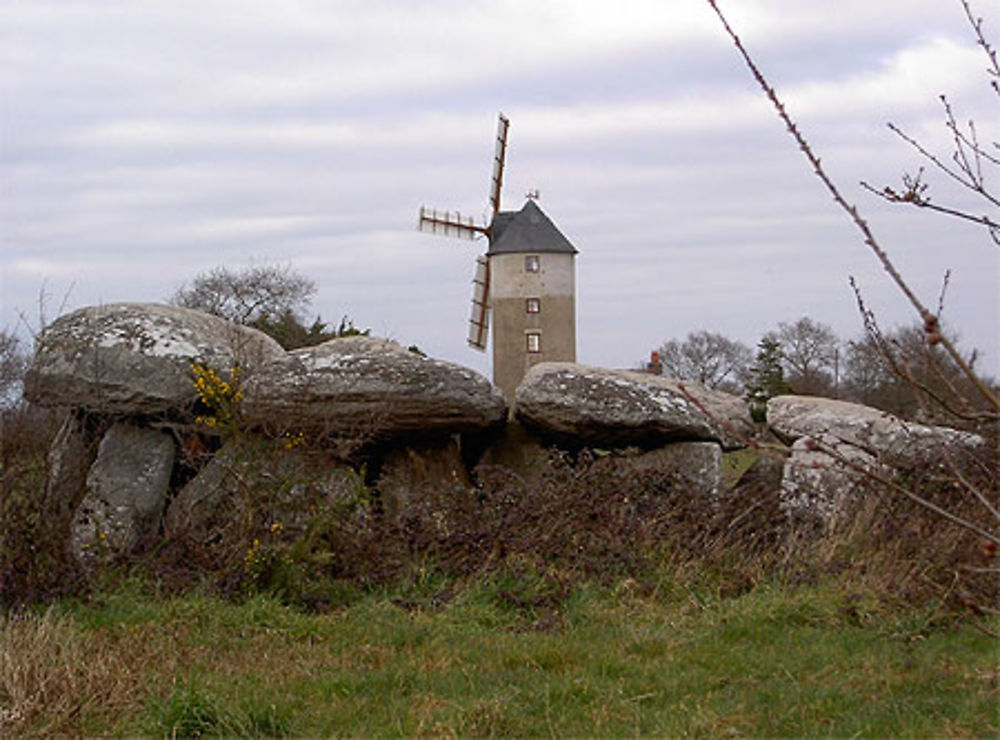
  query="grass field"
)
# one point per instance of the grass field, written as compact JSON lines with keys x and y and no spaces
{"x":627,"y":658}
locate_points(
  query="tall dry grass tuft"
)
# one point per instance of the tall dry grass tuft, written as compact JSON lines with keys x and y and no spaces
{"x":33,"y":565}
{"x":896,"y":547}
{"x":51,"y":672}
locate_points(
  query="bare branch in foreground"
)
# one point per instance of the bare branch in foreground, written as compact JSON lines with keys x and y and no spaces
{"x":931,"y":323}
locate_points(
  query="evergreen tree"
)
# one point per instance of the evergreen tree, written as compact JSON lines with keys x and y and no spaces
{"x":767,"y":378}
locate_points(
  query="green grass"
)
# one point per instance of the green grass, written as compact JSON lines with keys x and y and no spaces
{"x":735,"y":464}
{"x":607,"y":660}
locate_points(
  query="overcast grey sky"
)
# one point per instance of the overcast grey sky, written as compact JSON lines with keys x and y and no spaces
{"x":143,"y":142}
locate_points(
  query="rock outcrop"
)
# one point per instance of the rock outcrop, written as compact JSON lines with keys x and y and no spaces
{"x":370,"y":388}
{"x":619,"y":407}
{"x":134,"y":358}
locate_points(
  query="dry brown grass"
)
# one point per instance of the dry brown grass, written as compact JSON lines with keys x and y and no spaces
{"x":52,"y":671}
{"x":896,"y":548}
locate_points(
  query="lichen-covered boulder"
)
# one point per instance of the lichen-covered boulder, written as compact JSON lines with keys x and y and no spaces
{"x":615,"y":408}
{"x":892,"y":440}
{"x":126,"y":492}
{"x":135,"y":357}
{"x":824,"y":479}
{"x":369,"y":388}
{"x":282,"y":481}
{"x":693,"y":469}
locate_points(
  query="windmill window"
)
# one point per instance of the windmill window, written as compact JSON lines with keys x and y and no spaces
{"x":532,"y":263}
{"x":534,"y":341}
{"x":532,"y":305}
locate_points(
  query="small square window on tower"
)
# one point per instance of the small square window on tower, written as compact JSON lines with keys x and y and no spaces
{"x":534,"y":341}
{"x":532,"y":263}
{"x":532,"y":305}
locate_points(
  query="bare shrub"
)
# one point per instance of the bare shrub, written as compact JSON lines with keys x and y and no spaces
{"x":589,"y":516}
{"x":896,"y":547}
{"x":32,"y":564}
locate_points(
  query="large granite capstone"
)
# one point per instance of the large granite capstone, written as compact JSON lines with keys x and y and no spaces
{"x":135,"y":357}
{"x":892,"y":440}
{"x":367,"y":387}
{"x":619,"y":407}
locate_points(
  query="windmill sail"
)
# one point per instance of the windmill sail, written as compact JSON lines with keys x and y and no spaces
{"x":499,"y":155}
{"x":448,"y":224}
{"x":479,"y":317}
{"x":454,"y":224}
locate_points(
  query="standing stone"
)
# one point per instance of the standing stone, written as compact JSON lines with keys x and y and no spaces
{"x":207,"y":494}
{"x":694,"y":469}
{"x":126,"y":492}
{"x":517,"y":451}
{"x":819,"y":486}
{"x":407,"y":470}
{"x":254,"y":480}
{"x":70,"y":456}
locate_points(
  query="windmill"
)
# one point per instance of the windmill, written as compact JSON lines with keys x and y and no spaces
{"x":459,"y":227}
{"x":525,"y":280}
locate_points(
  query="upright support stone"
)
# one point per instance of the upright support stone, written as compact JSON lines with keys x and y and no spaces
{"x":694,"y":468}
{"x":126,"y":492}
{"x":825,"y":478}
{"x":407,"y":470}
{"x":70,"y":456}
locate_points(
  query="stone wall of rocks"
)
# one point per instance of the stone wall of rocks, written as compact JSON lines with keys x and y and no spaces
{"x":132,"y":462}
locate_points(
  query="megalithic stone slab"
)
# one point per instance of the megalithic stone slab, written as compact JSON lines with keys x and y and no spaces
{"x":361,"y":386}
{"x":618,"y":407}
{"x":126,"y":492}
{"x":135,"y":357}
{"x":892,"y":440}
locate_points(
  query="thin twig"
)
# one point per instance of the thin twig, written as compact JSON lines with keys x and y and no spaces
{"x":991,"y":54}
{"x":892,"y":196}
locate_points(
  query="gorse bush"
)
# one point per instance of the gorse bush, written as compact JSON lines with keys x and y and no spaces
{"x":219,"y":397}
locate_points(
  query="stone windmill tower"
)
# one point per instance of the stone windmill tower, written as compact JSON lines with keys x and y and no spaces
{"x":526,"y":279}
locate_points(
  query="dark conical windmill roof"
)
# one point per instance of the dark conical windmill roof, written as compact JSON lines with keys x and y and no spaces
{"x":528,"y":230}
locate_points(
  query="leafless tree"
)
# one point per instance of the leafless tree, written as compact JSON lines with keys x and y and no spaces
{"x":13,"y":363}
{"x":809,"y":352}
{"x":711,"y":359}
{"x":260,"y":293}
